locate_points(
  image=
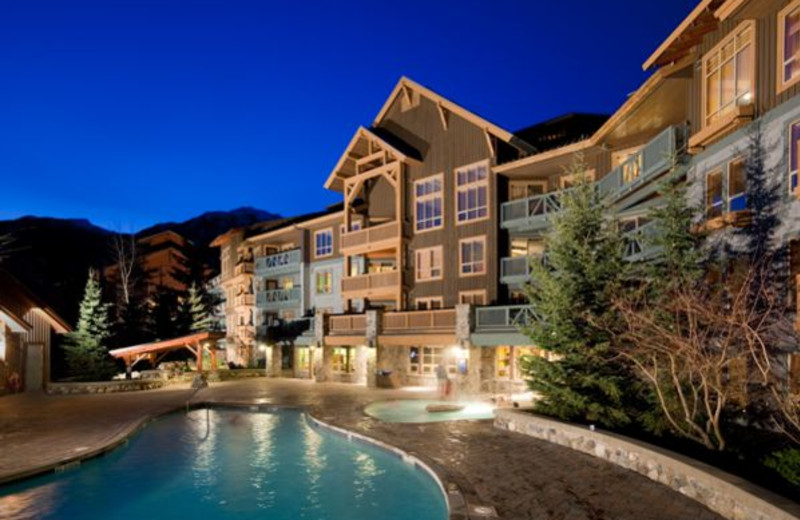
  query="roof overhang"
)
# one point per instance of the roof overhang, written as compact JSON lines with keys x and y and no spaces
{"x":55,"y":321}
{"x":356,"y":149}
{"x":14,"y":322}
{"x":702,"y":20}
{"x":166,"y":345}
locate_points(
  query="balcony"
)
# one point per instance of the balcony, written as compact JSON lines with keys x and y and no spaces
{"x":639,"y":243}
{"x":655,"y":158}
{"x":243,"y":300}
{"x":279,"y":263}
{"x":278,"y":298}
{"x":531,"y":213}
{"x":370,"y":285}
{"x":419,"y":321}
{"x":374,"y":238}
{"x":515,"y":270}
{"x":243,"y":268}
{"x":504,"y":319}
{"x":347,"y":324}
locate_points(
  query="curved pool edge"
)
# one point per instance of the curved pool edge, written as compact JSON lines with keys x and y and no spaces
{"x":454,"y":499}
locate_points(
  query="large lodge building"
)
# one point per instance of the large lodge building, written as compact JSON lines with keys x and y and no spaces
{"x":424,"y":261}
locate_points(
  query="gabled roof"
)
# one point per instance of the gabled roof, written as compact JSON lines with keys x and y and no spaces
{"x":394,"y":144}
{"x":16,"y":301}
{"x":702,"y":20}
{"x":406,"y":83}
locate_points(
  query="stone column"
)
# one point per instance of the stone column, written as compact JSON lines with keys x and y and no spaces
{"x":325,"y":373}
{"x":374,"y":323}
{"x":277,"y":360}
{"x":320,"y":327}
{"x":360,"y":364}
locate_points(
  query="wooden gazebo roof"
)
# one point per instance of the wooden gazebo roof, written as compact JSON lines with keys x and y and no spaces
{"x":154,"y":351}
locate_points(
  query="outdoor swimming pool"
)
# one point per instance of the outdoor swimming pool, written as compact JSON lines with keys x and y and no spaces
{"x":414,"y":411}
{"x":223,"y":463}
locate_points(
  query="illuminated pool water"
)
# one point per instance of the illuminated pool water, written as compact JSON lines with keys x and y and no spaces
{"x":232,"y":464}
{"x":414,"y":411}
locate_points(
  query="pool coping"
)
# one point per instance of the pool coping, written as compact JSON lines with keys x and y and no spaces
{"x":454,"y":499}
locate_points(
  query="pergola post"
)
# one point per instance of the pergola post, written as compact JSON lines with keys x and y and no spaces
{"x":199,"y":353}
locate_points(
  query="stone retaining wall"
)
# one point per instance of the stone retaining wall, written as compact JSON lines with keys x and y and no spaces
{"x":727,"y":495}
{"x":104,"y":387}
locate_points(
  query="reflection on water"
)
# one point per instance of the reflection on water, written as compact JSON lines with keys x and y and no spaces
{"x":220,"y":464}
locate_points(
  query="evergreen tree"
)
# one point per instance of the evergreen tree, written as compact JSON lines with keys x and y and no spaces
{"x":572,"y":292}
{"x":86,"y":354}
{"x":198,"y":309}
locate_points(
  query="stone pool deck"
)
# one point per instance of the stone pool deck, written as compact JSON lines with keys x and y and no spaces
{"x":522,"y":477}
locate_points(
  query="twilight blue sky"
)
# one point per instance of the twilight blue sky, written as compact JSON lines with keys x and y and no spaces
{"x":134,"y":112}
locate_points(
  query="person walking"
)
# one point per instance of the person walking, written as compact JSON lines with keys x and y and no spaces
{"x":441,"y":381}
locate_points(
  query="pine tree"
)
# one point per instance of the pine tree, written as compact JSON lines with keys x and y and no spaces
{"x":198,"y":309}
{"x":572,"y":292}
{"x":85,"y":347}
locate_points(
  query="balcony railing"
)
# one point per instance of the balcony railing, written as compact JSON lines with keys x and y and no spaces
{"x":243,"y":268}
{"x":507,"y":318}
{"x":639,"y":243}
{"x":515,"y":270}
{"x":371,"y":283}
{"x":653,"y":159}
{"x":532,"y":212}
{"x":414,"y":321}
{"x":278,"y":298}
{"x":243,"y":300}
{"x":371,"y":238}
{"x":279,"y":263}
{"x":347,"y":324}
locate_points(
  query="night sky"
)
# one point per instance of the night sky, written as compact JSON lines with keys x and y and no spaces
{"x":134,"y":112}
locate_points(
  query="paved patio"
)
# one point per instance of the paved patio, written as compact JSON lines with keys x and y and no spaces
{"x":523,"y":478}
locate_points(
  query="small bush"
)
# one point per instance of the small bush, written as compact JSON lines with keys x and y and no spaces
{"x":786,"y":463}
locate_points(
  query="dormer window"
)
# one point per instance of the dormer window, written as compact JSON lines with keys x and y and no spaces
{"x":729,"y":74}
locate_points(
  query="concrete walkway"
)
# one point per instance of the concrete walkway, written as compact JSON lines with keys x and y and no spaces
{"x":523,"y":478}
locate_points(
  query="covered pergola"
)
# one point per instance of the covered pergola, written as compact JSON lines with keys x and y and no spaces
{"x":154,"y":352}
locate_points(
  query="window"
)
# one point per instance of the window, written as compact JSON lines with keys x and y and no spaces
{"x":715,"y":202}
{"x":472,"y":297}
{"x":472,"y":192}
{"x":472,"y":256}
{"x":429,"y":303}
{"x":728,"y":74}
{"x":789,"y":45}
{"x":323,"y":243}
{"x":524,"y":189}
{"x":737,"y":185}
{"x":794,"y":152}
{"x":526,"y":247}
{"x":508,"y":364}
{"x":324,"y":282}
{"x":632,"y":167}
{"x":428,"y":264}
{"x":428,"y":207}
{"x":423,"y":360}
{"x":342,"y":360}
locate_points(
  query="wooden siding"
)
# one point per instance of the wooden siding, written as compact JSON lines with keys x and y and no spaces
{"x":766,"y":39}
{"x":443,"y":151}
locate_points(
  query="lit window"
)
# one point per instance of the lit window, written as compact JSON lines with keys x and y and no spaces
{"x":342,"y":360}
{"x":789,"y":45}
{"x":428,"y":207}
{"x":737,"y":186}
{"x":2,"y":342}
{"x":324,"y":282}
{"x":728,"y":74}
{"x":508,"y":364}
{"x":429,"y":304}
{"x":472,"y":192}
{"x":472,"y":297}
{"x":472,"y":256}
{"x":323,"y":243}
{"x":525,"y":189}
{"x":428,"y":264}
{"x":715,"y":202}
{"x":502,"y":362}
{"x":423,"y":361}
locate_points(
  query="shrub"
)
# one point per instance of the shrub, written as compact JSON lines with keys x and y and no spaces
{"x":786,"y":463}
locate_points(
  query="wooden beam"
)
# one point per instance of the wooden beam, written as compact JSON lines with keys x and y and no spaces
{"x":489,"y":142}
{"x":443,"y":115}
